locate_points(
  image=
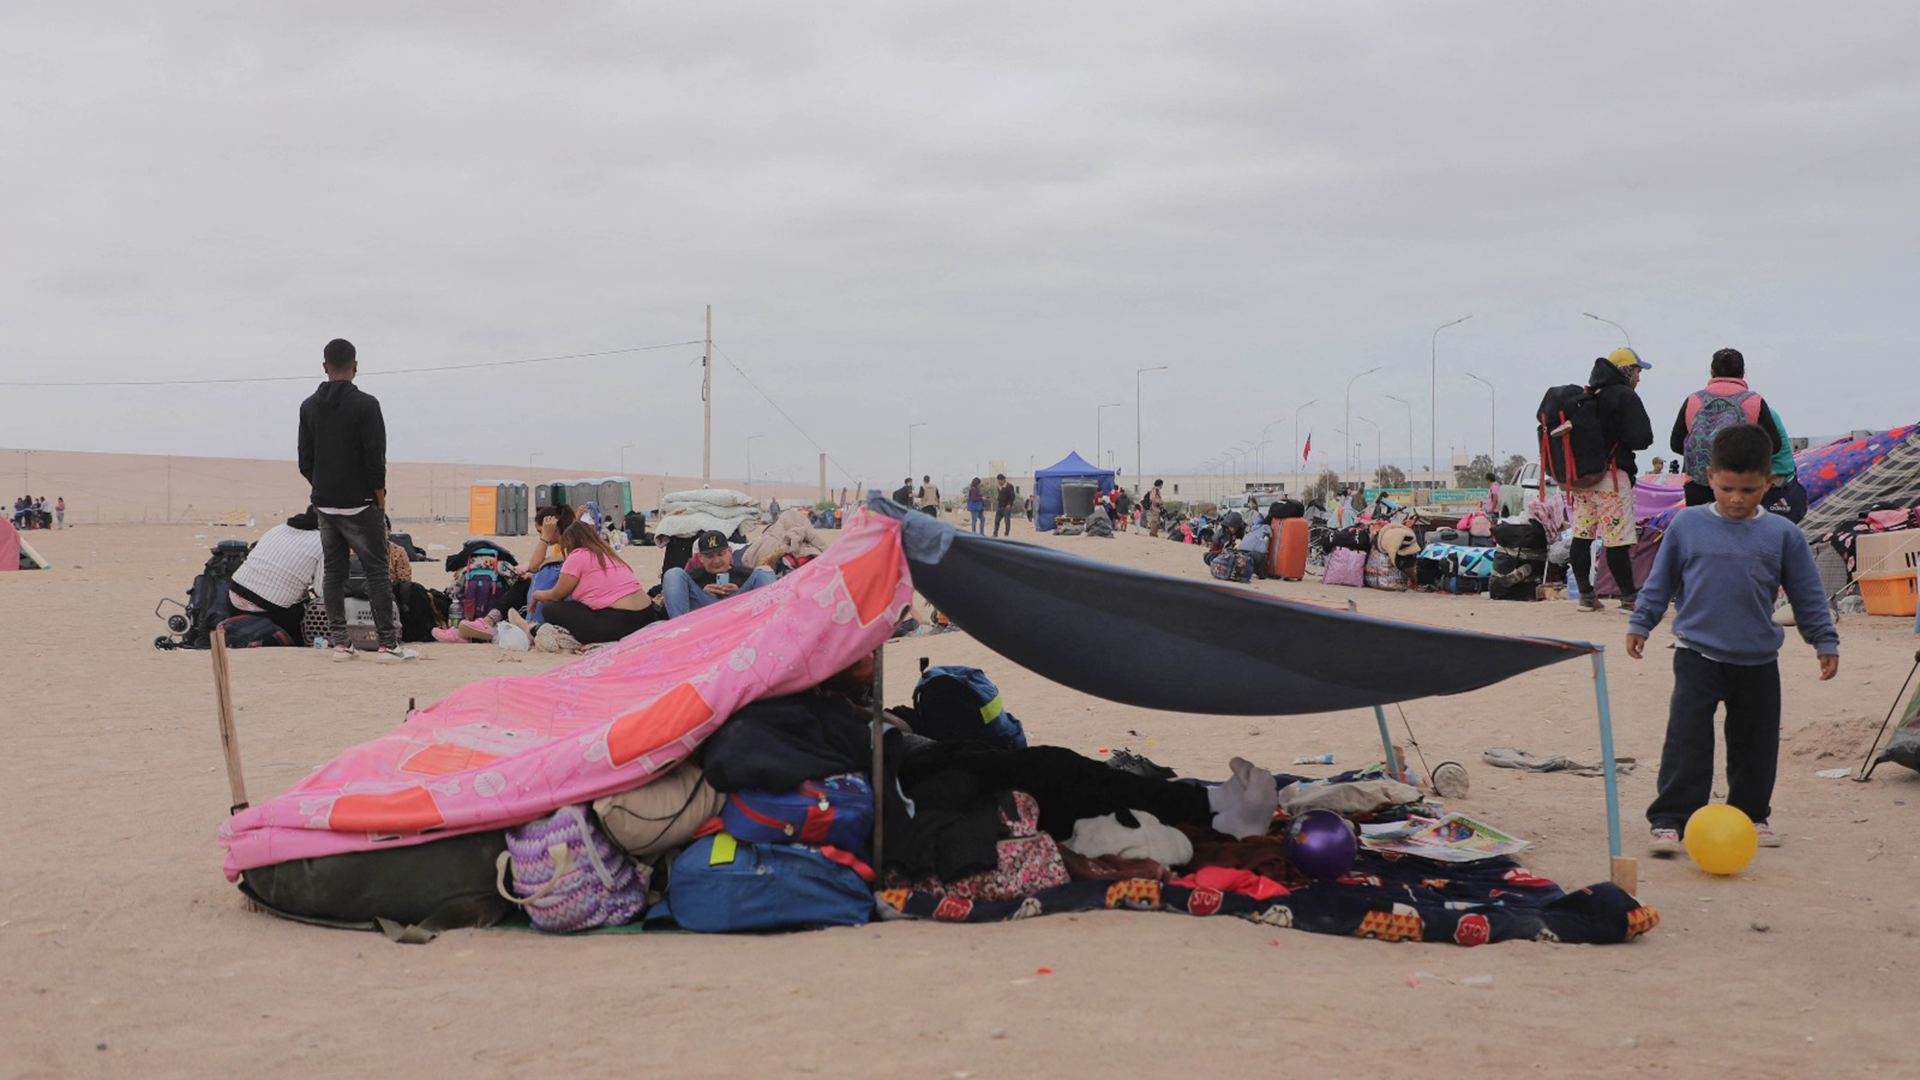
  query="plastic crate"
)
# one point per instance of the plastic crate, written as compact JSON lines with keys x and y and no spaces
{"x":1888,"y":594}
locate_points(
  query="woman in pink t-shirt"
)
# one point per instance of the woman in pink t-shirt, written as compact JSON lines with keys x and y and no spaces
{"x":597,"y":597}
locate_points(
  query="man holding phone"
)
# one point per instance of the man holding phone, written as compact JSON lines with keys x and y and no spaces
{"x":715,"y":576}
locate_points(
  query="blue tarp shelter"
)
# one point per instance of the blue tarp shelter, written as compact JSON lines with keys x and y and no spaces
{"x":1046,"y":486}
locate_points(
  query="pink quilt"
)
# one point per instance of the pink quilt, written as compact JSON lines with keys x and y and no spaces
{"x":506,"y":750}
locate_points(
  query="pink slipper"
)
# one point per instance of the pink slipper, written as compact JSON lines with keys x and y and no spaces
{"x":449,"y":635}
{"x":475,"y":629}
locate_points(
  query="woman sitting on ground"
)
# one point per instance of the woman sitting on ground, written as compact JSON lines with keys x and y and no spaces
{"x":597,"y":597}
{"x":548,"y":522}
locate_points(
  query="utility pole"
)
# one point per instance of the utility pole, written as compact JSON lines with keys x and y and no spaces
{"x":1433,"y":388}
{"x":1138,"y":473}
{"x":706,"y":397}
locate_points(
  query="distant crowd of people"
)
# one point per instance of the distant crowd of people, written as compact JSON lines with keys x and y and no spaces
{"x":31,"y":512}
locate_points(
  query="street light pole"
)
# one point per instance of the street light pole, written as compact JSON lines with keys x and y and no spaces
{"x":1409,"y":406}
{"x":1376,"y":449}
{"x":1098,"y":409}
{"x":1433,"y":387}
{"x":1615,"y":325}
{"x":1263,"y":448}
{"x":910,"y":427}
{"x":1493,"y":445}
{"x":1350,"y":383}
{"x":750,"y":439}
{"x":1138,"y":474}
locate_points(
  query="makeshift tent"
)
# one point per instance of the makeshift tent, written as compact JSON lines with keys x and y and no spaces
{"x":1046,"y":486}
{"x":15,"y":552}
{"x":506,"y":750}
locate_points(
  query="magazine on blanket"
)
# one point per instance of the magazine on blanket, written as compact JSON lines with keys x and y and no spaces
{"x":1454,"y":838}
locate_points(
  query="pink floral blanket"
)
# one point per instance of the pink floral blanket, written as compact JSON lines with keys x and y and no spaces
{"x":506,"y":750}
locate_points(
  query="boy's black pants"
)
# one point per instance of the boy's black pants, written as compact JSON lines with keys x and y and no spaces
{"x":1752,"y":698}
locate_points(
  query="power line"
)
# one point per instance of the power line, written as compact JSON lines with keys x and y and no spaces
{"x":783,"y":415}
{"x":369,"y":374}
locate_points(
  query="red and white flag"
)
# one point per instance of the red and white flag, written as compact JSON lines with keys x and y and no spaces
{"x":1307,"y":450}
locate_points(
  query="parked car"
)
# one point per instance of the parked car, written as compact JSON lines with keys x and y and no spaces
{"x":1514,"y":496}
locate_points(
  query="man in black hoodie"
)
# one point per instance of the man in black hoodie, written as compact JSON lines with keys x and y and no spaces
{"x":1604,"y":510}
{"x":343,"y":454}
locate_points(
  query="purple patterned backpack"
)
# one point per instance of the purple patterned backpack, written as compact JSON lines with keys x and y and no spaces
{"x":569,"y":876}
{"x":1030,"y":861}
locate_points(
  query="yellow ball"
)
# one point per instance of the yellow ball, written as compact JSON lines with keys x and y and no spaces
{"x":1721,"y":839}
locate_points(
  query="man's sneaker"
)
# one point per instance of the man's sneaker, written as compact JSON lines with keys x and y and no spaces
{"x":476,"y":629}
{"x":395,"y":653}
{"x":1590,"y":603}
{"x":343,"y":653}
{"x":1628,"y":601}
{"x":1664,"y":842}
{"x":1768,"y":838}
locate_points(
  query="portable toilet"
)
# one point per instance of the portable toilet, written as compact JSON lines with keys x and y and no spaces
{"x":613,"y":497}
{"x":582,"y":492}
{"x":551,"y":493}
{"x":510,"y":508}
{"x":483,"y":502}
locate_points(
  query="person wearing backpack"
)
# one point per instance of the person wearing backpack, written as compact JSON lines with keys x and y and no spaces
{"x":1600,"y":503}
{"x":1726,"y":400}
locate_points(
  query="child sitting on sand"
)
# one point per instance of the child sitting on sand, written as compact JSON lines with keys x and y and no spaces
{"x":1727,"y":561}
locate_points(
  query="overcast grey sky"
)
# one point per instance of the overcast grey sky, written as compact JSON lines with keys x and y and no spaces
{"x":984,"y":216}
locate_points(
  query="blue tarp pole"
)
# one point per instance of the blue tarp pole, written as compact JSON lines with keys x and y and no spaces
{"x":1606,"y":750}
{"x":1386,"y":740}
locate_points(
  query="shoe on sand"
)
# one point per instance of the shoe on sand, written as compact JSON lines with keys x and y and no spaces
{"x":448,"y":635}
{"x":1664,"y":843}
{"x":395,"y":653}
{"x":1590,"y":603}
{"x":1628,"y":602}
{"x":343,"y":653}
{"x":475,"y":629}
{"x":1768,"y":838}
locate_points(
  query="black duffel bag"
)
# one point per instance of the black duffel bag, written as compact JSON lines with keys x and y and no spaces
{"x":1524,"y":535}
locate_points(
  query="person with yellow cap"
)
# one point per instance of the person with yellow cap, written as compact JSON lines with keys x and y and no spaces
{"x":1604,"y":510}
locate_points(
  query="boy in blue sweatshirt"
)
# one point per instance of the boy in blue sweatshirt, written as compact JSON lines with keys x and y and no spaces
{"x":1721,"y":565}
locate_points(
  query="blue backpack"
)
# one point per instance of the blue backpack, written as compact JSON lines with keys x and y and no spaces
{"x":720,"y":885}
{"x":836,"y":811}
{"x":952,"y":702}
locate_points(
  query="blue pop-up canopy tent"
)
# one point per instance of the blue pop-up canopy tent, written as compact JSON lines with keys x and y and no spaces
{"x":1046,"y":486}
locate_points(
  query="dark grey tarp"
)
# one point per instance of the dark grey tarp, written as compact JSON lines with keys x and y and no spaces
{"x":1170,"y":643}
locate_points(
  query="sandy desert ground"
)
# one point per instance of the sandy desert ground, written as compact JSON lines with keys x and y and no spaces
{"x":123,"y":951}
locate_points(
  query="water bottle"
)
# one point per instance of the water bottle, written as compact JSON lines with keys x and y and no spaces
{"x":1321,"y":759}
{"x":1573,"y":587}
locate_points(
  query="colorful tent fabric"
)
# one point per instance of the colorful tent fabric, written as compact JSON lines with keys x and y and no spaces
{"x":1844,"y":478}
{"x":1140,"y":638}
{"x":1391,"y":899}
{"x":503,"y":751}
{"x":1046,"y":486}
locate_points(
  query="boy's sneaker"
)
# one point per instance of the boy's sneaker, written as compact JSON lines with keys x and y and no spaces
{"x":343,"y":653}
{"x":1628,"y":601}
{"x":1590,"y":603}
{"x":1768,"y":838}
{"x":1664,"y":842}
{"x":395,"y":653}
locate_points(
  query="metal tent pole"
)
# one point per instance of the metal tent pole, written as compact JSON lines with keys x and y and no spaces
{"x":878,"y":776}
{"x":1386,"y":740}
{"x":1624,"y":872}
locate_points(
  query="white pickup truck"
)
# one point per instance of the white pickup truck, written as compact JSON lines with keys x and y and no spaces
{"x":1514,"y":496}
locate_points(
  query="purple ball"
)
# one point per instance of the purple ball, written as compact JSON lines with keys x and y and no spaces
{"x":1321,"y":845}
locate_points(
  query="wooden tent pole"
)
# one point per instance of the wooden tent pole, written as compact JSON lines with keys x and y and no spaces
{"x":878,"y":776}
{"x":223,"y":710}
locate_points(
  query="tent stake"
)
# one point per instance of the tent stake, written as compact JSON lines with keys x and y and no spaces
{"x":1606,"y":750}
{"x":879,"y":773}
